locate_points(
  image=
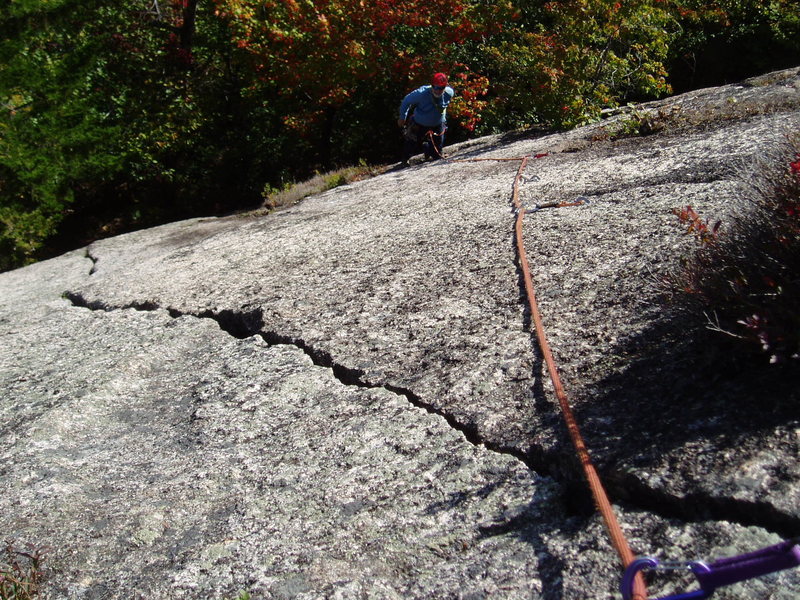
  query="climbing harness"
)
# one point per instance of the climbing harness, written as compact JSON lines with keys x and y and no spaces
{"x":722,"y":572}
{"x":711,"y":576}
{"x":430,"y":135}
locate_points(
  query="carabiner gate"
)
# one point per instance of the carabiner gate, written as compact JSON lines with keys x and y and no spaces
{"x":650,"y":563}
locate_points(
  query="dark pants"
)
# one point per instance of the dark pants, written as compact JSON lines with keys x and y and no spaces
{"x":416,"y":138}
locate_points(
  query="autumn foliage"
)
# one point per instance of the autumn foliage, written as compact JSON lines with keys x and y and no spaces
{"x":318,"y":57}
{"x":123,"y":114}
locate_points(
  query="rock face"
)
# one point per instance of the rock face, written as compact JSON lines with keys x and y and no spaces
{"x":344,"y":399}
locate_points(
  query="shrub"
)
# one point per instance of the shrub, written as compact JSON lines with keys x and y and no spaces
{"x":745,"y":277}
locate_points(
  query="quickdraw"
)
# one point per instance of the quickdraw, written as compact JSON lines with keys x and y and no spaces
{"x":722,"y":572}
{"x":579,"y":201}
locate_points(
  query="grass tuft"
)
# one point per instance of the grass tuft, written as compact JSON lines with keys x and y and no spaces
{"x":20,"y":573}
{"x":292,"y":193}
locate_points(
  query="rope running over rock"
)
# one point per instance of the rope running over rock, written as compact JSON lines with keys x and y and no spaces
{"x":599,"y":494}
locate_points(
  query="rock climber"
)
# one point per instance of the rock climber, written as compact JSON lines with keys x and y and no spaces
{"x":425,"y":110}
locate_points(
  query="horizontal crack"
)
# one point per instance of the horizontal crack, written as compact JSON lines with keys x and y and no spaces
{"x":81,"y":302}
{"x":560,"y":465}
{"x":704,"y":507}
{"x":627,"y":489}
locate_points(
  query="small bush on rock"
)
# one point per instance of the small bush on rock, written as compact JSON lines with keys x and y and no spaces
{"x":745,"y":277}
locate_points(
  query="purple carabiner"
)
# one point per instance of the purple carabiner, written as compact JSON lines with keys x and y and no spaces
{"x":646,"y":563}
{"x":723,"y":571}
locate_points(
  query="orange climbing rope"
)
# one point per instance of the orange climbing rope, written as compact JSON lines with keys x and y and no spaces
{"x":595,"y":485}
{"x":598,"y":491}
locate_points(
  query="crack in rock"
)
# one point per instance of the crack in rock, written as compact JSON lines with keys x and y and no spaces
{"x":244,"y":324}
{"x":562,"y":466}
{"x":92,"y":258}
{"x":248,"y":323}
{"x":703,"y":507}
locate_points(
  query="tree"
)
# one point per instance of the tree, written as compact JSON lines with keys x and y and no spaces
{"x":117,"y":115}
{"x":728,"y":40}
{"x":562,"y":62}
{"x":332,"y":66}
{"x":55,"y":134}
{"x":124,"y":114}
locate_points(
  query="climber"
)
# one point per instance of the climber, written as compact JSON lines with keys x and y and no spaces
{"x":427,"y":106}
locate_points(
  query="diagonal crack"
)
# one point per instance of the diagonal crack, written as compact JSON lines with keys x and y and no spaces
{"x":560,"y":465}
{"x":244,"y":324}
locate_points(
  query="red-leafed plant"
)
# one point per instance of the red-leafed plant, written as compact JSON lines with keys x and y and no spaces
{"x":745,"y":277}
{"x":694,"y":224}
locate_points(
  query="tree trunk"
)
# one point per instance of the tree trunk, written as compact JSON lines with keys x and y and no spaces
{"x":186,"y":31}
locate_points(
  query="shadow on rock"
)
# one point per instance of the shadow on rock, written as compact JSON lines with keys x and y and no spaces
{"x":689,"y":404}
{"x":527,"y":524}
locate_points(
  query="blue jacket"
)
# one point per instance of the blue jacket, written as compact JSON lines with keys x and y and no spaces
{"x":429,"y":111}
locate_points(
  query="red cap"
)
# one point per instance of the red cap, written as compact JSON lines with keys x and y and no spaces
{"x":439,"y":80}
